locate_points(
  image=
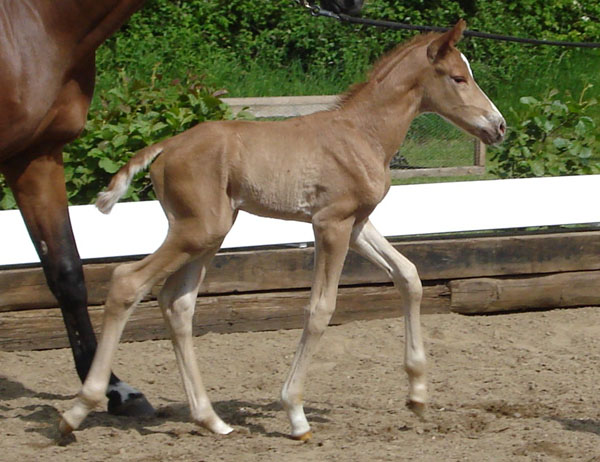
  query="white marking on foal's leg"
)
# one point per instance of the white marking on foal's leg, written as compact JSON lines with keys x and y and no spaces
{"x":291,"y":393}
{"x":367,"y":241}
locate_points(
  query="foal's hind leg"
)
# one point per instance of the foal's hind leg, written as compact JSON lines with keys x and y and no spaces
{"x":129,"y":284}
{"x":178,"y":300}
{"x":367,"y":241}
{"x":331,"y":247}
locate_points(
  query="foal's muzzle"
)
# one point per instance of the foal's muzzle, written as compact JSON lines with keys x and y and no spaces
{"x":494,"y":130}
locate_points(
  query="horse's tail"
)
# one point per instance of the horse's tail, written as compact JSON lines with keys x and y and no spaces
{"x":122,"y":179}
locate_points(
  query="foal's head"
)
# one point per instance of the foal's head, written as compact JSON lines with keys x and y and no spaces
{"x":450,"y":90}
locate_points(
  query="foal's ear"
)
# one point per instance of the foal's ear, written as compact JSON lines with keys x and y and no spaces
{"x":441,"y":45}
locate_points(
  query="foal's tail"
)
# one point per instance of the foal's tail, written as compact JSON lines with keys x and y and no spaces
{"x":120,"y":182}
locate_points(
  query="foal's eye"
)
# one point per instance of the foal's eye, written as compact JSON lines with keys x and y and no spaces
{"x":459,"y":79}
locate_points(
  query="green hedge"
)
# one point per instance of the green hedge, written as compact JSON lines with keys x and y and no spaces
{"x":181,"y":34}
{"x":555,"y":136}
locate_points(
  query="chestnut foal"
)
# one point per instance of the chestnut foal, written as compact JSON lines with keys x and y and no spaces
{"x":330,"y":168}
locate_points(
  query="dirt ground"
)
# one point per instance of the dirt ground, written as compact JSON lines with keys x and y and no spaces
{"x":514,"y":387}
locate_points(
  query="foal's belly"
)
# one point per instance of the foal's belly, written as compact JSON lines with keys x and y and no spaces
{"x":278,"y":199}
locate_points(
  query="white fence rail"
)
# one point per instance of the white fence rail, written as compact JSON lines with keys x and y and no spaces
{"x":138,"y":228}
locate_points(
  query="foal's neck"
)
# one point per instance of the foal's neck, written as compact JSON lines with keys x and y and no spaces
{"x":385,"y":116}
{"x":386,"y":105}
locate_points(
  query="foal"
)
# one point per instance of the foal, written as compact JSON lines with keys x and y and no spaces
{"x":330,"y":168}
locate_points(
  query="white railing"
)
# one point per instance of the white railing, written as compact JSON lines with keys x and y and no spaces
{"x":138,"y":228}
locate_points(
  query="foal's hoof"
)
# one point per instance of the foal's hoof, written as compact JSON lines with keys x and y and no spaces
{"x":303,"y":437}
{"x":64,"y":428}
{"x":417,"y":407}
{"x":135,"y":405}
{"x":65,"y":433}
{"x":216,"y":425}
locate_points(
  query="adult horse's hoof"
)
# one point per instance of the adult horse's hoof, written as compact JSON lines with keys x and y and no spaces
{"x":134,"y":405}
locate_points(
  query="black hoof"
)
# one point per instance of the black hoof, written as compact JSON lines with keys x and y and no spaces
{"x":136,"y":405}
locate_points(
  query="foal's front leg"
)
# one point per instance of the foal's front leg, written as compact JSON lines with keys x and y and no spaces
{"x":368,"y":242}
{"x":331,"y":247}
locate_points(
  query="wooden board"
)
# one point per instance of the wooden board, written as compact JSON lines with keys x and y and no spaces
{"x":291,"y":268}
{"x":467,"y":170}
{"x":281,"y":106}
{"x":489,"y":295}
{"x":43,"y":329}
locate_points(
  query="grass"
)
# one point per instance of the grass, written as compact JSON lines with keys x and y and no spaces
{"x":569,"y":70}
{"x":433,"y":142}
{"x":535,"y":72}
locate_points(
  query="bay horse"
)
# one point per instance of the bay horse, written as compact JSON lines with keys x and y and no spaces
{"x":330,"y":168}
{"x":47,"y":70}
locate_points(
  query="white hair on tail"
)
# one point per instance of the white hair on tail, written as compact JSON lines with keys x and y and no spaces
{"x":121,"y":181}
{"x":107,"y":199}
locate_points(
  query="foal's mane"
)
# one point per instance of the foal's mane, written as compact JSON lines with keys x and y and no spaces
{"x":384,"y":65}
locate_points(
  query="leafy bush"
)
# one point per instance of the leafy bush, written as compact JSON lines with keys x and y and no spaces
{"x":133,"y":115}
{"x":553,"y":138}
{"x":182,"y":34}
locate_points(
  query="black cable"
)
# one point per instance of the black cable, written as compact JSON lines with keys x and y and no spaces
{"x":316,"y":11}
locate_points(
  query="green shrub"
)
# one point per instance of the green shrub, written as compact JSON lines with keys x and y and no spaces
{"x":189,"y":34}
{"x":131,"y":116}
{"x":553,"y":137}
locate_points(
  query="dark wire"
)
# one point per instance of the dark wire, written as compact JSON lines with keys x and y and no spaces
{"x":316,"y":11}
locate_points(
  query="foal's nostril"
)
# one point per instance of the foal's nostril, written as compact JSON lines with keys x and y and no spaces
{"x":502,"y":127}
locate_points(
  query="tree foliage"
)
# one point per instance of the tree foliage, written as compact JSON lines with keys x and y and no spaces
{"x":555,"y":136}
{"x":181,"y":33}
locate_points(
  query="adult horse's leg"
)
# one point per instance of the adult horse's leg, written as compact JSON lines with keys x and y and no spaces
{"x":367,"y":241}
{"x":38,"y":185}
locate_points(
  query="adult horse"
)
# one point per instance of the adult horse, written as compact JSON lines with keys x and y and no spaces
{"x":47,"y":69}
